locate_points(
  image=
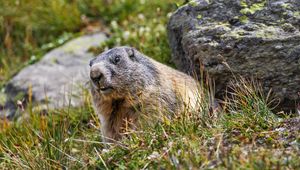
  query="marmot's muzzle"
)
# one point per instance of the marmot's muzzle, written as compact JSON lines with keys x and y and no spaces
{"x":98,"y":80}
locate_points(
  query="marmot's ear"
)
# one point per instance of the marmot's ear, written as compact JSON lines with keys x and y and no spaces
{"x":92,"y":61}
{"x":131,"y":53}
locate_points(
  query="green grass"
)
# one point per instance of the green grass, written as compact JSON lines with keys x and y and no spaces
{"x":235,"y":138}
{"x":30,"y":28}
{"x":245,"y":135}
{"x":25,"y":26}
{"x":141,"y":24}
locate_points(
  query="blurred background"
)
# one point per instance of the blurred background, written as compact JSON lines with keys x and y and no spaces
{"x":30,"y":28}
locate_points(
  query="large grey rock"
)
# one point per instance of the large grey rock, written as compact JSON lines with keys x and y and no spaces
{"x":58,"y":79}
{"x":256,"y":38}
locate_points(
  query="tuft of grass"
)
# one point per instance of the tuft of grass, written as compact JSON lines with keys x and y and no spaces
{"x":246,"y":102}
{"x":57,"y":139}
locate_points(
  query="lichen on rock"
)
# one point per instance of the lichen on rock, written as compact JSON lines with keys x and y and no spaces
{"x":256,"y":38}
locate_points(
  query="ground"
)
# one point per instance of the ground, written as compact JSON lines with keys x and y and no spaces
{"x":245,"y":134}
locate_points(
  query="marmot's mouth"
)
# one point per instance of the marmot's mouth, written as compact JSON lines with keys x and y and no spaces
{"x":106,"y":90}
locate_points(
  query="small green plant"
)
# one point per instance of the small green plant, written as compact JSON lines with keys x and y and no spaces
{"x":246,"y":102}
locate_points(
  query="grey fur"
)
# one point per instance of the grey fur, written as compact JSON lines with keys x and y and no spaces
{"x":124,"y":81}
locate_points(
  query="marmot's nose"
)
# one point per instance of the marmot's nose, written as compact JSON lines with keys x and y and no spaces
{"x":96,"y":75}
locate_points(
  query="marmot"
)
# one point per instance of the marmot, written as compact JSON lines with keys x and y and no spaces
{"x":125,"y":81}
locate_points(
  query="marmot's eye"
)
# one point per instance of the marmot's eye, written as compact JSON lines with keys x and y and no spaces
{"x":117,"y":59}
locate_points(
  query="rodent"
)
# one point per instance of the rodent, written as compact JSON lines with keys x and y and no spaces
{"x":124,"y":81}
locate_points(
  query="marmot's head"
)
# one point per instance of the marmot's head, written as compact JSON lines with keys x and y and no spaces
{"x":121,"y":71}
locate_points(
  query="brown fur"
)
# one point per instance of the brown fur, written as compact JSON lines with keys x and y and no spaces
{"x":120,"y":110}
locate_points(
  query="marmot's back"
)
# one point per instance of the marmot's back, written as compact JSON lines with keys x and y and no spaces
{"x":184,"y":85}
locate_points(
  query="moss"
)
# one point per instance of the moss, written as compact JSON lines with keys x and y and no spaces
{"x":286,"y":6}
{"x":220,"y":27}
{"x":233,"y":34}
{"x":243,"y":4}
{"x":245,"y":11}
{"x":263,"y":32}
{"x":253,"y":8}
{"x":258,"y":6}
{"x":296,"y":14}
{"x":193,"y":3}
{"x":267,"y":33}
{"x":244,"y":19}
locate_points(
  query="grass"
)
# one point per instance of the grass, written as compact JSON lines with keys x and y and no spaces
{"x":245,"y":135}
{"x":235,"y":138}
{"x":27,"y":33}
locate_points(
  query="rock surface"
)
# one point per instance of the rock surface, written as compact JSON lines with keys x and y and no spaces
{"x":256,"y":38}
{"x":58,"y":79}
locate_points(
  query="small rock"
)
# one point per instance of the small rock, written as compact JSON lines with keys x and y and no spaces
{"x":57,"y":80}
{"x":280,"y":129}
{"x":154,"y":155}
